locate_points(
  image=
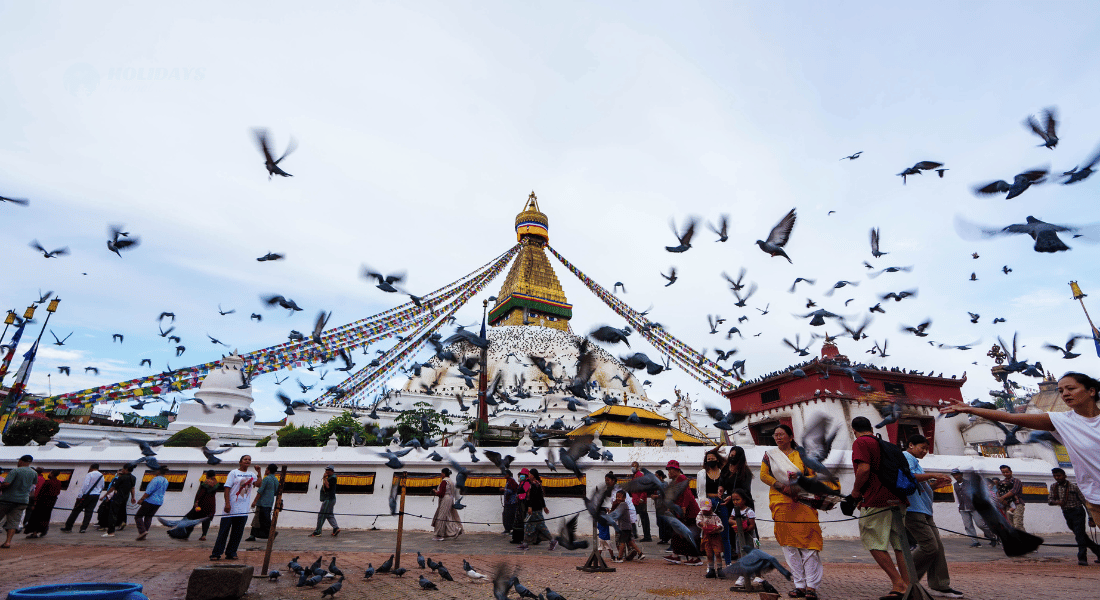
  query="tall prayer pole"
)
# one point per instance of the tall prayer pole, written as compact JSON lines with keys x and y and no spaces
{"x":482,"y":378}
{"x":1079,"y":296}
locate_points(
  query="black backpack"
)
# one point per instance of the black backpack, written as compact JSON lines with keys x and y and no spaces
{"x":893,"y":471}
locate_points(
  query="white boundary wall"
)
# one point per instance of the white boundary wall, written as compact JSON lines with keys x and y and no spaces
{"x":1039,"y":518}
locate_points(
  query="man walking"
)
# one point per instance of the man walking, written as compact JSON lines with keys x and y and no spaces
{"x":328,"y":503}
{"x":1066,"y":494}
{"x":970,"y":517}
{"x":151,"y":501}
{"x":264,"y":503}
{"x":1010,"y":493}
{"x":929,"y":558}
{"x":90,"y":490}
{"x":16,"y":495}
{"x":877,"y":506}
{"x":121,"y":486}
{"x":638,"y":499}
{"x":238,"y":494}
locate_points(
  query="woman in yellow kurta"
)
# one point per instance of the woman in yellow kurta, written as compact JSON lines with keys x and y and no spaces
{"x":796,"y":526}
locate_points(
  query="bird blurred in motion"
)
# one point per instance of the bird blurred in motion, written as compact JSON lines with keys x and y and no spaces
{"x":270,"y":163}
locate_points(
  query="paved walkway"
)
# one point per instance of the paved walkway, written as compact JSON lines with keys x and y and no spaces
{"x":162,"y":565}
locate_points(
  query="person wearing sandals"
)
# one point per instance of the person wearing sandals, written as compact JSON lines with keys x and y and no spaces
{"x":446,"y":522}
{"x":796,"y":526}
{"x":328,"y":503}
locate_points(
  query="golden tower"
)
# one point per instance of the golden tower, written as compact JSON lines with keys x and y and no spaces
{"x":531,"y":294}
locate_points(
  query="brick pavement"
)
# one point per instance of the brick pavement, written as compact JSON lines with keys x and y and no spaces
{"x":162,"y":565}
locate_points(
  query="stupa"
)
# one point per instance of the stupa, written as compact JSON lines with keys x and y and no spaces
{"x":222,"y":397}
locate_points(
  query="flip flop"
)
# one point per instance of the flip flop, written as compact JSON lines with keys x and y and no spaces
{"x":5,"y":546}
{"x":892,"y":596}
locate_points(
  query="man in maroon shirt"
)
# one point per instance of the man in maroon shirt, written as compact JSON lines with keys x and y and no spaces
{"x":877,"y":507}
{"x":639,"y":500}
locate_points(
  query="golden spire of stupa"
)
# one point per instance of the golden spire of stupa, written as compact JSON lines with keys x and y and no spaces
{"x":531,"y":294}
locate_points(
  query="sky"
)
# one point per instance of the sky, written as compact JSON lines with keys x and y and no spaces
{"x":423,"y":126}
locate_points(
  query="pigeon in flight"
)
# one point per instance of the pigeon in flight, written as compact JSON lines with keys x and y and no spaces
{"x":63,"y":370}
{"x":1046,"y":130}
{"x":779,"y":236}
{"x":225,"y":312}
{"x":851,"y":157}
{"x":874,"y":245}
{"x":671,"y":277}
{"x":737,"y":284}
{"x":797,"y":280}
{"x":611,"y":335}
{"x":840,"y":284}
{"x":117,"y":242}
{"x":919,"y":330}
{"x":1019,"y":184}
{"x":797,"y":346}
{"x":619,"y":284}
{"x":741,"y":301}
{"x":58,"y":342}
{"x":685,"y":237}
{"x":899,"y":296}
{"x":19,"y":201}
{"x":1067,"y":352}
{"x":47,"y":253}
{"x":819,"y":317}
{"x":271,"y":256}
{"x":117,"y":337}
{"x":722,"y":229}
{"x":973,"y":317}
{"x":281,"y":301}
{"x":385,"y":282}
{"x":924,"y":165}
{"x":1081,"y":173}
{"x":270,"y":163}
{"x":1045,"y":234}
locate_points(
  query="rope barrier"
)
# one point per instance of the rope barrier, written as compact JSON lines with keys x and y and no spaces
{"x":567,"y":515}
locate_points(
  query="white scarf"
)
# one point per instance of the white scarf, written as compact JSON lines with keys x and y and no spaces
{"x":778,"y":462}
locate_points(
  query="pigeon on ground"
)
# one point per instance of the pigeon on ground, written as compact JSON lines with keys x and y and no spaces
{"x":332,"y":589}
{"x":386,"y":566}
{"x":426,"y":584}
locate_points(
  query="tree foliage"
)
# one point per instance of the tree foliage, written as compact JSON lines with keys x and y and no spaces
{"x":22,"y":432}
{"x":410,"y":422}
{"x":344,"y":426}
{"x":191,"y":437}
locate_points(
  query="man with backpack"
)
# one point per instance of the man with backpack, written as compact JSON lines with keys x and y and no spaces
{"x":880,"y":466}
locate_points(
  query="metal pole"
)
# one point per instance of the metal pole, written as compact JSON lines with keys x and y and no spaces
{"x":4,"y":408}
{"x":482,"y":378}
{"x":275,"y":508}
{"x":400,"y":522}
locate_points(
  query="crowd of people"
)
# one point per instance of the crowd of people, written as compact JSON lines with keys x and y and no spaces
{"x":724,"y":512}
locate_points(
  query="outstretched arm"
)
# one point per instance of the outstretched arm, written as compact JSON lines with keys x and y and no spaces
{"x":1031,"y":421}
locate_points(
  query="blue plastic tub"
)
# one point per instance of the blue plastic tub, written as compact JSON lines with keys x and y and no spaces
{"x":80,"y":591}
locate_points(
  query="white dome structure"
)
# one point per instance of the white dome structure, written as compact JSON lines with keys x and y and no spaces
{"x":223,"y":397}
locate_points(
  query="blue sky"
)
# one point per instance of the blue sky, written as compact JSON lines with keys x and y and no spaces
{"x":423,"y":126}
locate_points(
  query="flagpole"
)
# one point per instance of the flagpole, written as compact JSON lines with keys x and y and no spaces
{"x":18,"y":388}
{"x":8,"y":320}
{"x":1079,"y":296}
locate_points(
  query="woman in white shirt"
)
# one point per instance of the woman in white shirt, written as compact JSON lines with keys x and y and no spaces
{"x":1078,"y":429}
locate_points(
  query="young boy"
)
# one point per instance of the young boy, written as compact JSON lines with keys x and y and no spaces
{"x":711,"y":538}
{"x":622,"y":519}
{"x":603,"y":532}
